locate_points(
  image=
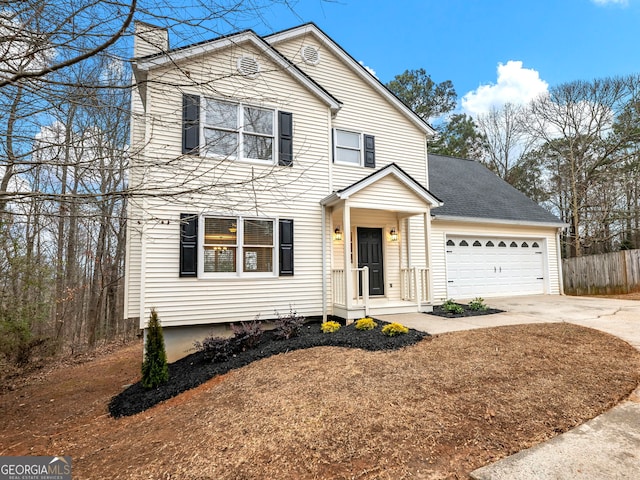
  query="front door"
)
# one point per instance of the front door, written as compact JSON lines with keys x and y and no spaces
{"x":370,"y":255}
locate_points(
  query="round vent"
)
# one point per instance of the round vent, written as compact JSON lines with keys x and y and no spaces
{"x":310,"y":55}
{"x":248,"y":66}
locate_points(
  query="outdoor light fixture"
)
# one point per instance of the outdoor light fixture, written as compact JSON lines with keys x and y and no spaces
{"x":393,"y":235}
{"x":337,"y":234}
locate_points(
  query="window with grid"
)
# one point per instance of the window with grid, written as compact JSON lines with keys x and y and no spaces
{"x":233,"y":130}
{"x":220,"y":244}
{"x":257,"y":246}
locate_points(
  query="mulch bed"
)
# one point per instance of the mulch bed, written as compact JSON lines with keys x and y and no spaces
{"x":439,"y":311}
{"x":195,"y":369}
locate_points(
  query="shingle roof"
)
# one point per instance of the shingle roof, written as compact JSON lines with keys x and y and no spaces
{"x":470,"y":190}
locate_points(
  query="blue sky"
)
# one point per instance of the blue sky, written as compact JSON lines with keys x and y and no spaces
{"x":465,"y":41}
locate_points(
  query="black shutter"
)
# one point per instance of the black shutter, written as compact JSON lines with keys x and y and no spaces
{"x":190,"y":123}
{"x":285,"y":143}
{"x":286,"y":248}
{"x":188,"y":245}
{"x":369,"y":151}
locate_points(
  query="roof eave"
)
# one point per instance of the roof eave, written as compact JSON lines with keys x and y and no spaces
{"x":499,"y":221}
{"x":146,"y":64}
{"x":311,"y":28}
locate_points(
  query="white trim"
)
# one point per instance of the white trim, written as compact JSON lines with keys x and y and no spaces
{"x":175,"y":56}
{"x":336,"y":197}
{"x":360,"y":148}
{"x":239,"y":130}
{"x":311,"y":29}
{"x":497,"y":221}
{"x":559,"y":259}
{"x":239,"y":246}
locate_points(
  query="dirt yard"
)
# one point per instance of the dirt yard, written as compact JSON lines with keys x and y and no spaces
{"x":438,"y":409}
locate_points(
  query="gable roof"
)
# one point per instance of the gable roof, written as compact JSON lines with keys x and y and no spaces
{"x":391,"y":169}
{"x":472,"y":192}
{"x":312,"y":29}
{"x":173,"y":56}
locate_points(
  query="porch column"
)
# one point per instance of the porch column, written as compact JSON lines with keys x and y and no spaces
{"x":324,"y":263}
{"x":346,"y":229}
{"x":427,"y":252}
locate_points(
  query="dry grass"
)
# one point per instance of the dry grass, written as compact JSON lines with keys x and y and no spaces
{"x":438,"y":409}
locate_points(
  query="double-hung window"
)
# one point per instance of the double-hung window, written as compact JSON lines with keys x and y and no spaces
{"x":238,"y":245}
{"x":257,"y":246}
{"x":353,"y":148}
{"x":348,"y":147}
{"x":238,"y":131}
{"x":220,"y":244}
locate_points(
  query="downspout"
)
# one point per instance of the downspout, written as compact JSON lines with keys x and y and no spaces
{"x":324,"y":264}
{"x":559,"y":253}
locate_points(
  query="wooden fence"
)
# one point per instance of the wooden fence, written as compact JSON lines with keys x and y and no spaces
{"x":604,"y":274}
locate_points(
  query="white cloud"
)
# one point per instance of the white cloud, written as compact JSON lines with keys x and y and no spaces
{"x":368,"y":69}
{"x":624,"y":3}
{"x":515,"y":85}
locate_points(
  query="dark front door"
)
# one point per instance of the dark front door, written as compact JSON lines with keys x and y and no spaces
{"x":370,"y":255}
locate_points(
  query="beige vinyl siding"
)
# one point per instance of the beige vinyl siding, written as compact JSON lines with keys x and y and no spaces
{"x":388,"y":192}
{"x":133,"y":272}
{"x":440,"y":230}
{"x":364,"y":110}
{"x":227,"y":187}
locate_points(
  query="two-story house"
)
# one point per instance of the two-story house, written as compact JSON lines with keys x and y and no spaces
{"x":276,"y":172}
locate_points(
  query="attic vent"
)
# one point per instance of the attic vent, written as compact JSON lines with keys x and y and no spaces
{"x":310,"y":55}
{"x":248,"y":66}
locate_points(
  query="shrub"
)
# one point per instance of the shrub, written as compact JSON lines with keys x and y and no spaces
{"x":155,"y":370}
{"x":216,"y":349}
{"x":247,"y":334}
{"x":366,"y":324}
{"x":330,"y":327}
{"x":287,"y":326}
{"x":393,"y":329}
{"x":17,"y":342}
{"x":478,"y":305}
{"x":452,"y":307}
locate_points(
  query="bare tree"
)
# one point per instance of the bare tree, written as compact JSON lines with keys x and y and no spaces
{"x":507,"y":140}
{"x":584,"y":153}
{"x":64,"y":113}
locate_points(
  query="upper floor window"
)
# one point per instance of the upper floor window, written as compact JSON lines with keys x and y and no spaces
{"x":348,"y":147}
{"x":238,"y":131}
{"x":353,"y":148}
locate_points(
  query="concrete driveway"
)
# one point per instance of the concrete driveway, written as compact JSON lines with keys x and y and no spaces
{"x":607,"y":447}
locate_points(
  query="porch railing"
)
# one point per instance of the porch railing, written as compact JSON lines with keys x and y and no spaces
{"x":414,"y":284}
{"x":360,"y":282}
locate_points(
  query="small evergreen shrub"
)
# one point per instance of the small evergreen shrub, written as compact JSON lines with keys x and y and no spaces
{"x":452,"y":307}
{"x":478,"y":305}
{"x":216,"y":349}
{"x":393,"y":329}
{"x":247,"y":335}
{"x":366,"y":323}
{"x":287,"y":326}
{"x":155,"y":370}
{"x":330,"y":327}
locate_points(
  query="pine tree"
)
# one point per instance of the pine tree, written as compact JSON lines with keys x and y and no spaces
{"x":155,"y":370}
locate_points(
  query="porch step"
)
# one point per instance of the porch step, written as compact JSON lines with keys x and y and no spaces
{"x":380,"y":307}
{"x":397,"y":308}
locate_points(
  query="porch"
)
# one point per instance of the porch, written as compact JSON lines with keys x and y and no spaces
{"x":376,"y":233}
{"x":414,"y":294}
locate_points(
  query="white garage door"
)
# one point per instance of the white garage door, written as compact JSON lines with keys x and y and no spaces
{"x":478,"y":267}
